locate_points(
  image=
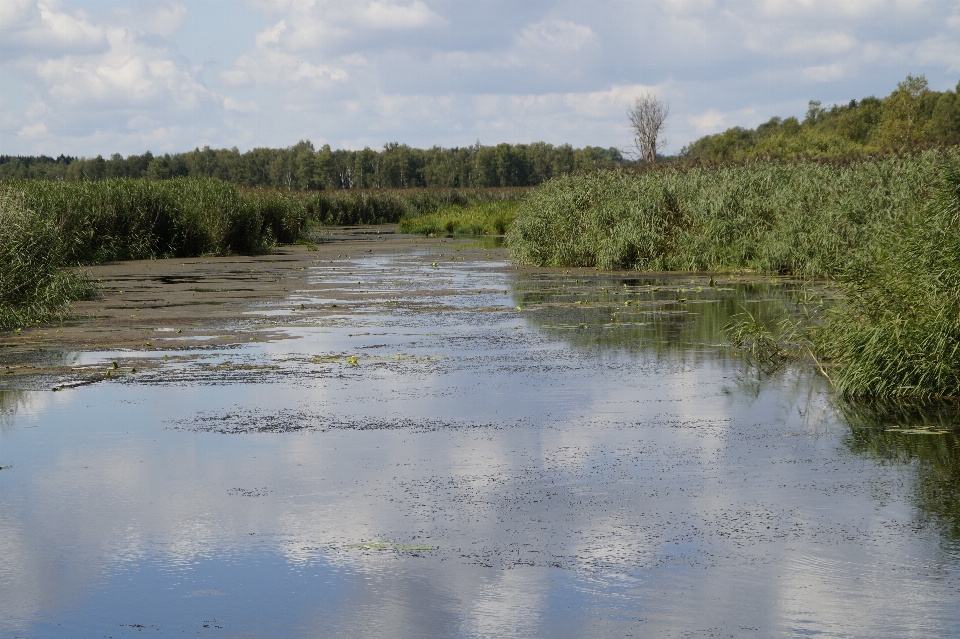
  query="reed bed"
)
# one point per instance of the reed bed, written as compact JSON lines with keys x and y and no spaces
{"x":886,"y":230}
{"x":896,"y":332}
{"x":52,"y":227}
{"x":806,"y":219}
{"x":488,"y":218}
{"x":392,"y":206}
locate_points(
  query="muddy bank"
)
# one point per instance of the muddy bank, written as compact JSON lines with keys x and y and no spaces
{"x":179,"y":305}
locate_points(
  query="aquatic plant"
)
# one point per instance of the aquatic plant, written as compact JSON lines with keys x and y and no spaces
{"x":34,"y":286}
{"x":488,"y":218}
{"x":896,"y":331}
{"x":808,"y":219}
{"x":50,"y":226}
{"x":391,"y":206}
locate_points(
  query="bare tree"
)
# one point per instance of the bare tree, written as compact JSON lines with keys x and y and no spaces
{"x":647,"y":116}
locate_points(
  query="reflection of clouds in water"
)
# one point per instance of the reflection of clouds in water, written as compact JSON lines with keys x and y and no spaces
{"x":511,"y":606}
{"x":21,"y":590}
{"x":644,"y":482}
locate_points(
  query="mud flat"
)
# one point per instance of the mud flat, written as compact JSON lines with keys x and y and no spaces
{"x":414,"y":438}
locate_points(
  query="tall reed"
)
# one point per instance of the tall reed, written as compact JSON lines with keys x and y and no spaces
{"x":896,"y":332}
{"x":806,"y":219}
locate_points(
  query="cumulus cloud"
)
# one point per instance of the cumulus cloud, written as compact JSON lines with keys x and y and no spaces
{"x":88,"y":73}
{"x":358,"y":72}
{"x":45,"y":28}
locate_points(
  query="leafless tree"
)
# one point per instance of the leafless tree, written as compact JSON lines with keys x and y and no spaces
{"x":647,"y":114}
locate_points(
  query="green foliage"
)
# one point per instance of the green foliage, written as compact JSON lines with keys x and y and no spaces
{"x":390,"y":206}
{"x":139,"y":219}
{"x":896,"y":332}
{"x":911,"y":117}
{"x":33,"y":285}
{"x":51,"y":226}
{"x":490,"y":218}
{"x":301,"y":167}
{"x":807,"y":219}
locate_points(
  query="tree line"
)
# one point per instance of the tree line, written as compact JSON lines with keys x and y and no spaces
{"x":302,"y":167}
{"x":911,"y":117}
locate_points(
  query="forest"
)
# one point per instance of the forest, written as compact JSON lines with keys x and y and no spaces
{"x":911,"y":117}
{"x":302,"y":167}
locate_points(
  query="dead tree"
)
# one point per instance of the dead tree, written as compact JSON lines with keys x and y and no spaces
{"x":647,"y":116}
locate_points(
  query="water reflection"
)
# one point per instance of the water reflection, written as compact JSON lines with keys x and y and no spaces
{"x":924,"y":439}
{"x":490,"y":481}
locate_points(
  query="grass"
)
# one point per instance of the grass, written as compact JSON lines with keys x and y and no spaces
{"x":52,"y":227}
{"x":895,"y":334}
{"x":486,"y":218}
{"x":886,"y":230}
{"x":392,"y":206}
{"x":806,"y":219}
{"x":34,"y":286}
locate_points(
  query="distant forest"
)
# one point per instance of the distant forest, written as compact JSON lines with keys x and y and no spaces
{"x":911,"y":117}
{"x":303,"y":167}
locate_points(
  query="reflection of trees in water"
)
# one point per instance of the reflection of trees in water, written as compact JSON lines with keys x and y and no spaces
{"x":912,"y":435}
{"x":664,"y":315}
{"x":10,"y":404}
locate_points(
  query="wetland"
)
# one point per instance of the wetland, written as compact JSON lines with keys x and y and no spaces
{"x":381,"y":435}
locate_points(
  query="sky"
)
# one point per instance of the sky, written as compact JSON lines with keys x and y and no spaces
{"x":89,"y":77}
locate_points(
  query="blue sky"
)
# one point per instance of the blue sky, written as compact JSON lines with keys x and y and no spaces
{"x":86,"y":77}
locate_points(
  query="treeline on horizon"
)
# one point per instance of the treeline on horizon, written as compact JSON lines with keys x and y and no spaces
{"x":911,"y":117}
{"x":302,"y":167}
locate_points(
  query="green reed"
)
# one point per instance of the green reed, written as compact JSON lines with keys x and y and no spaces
{"x":487,"y":218}
{"x":806,"y":219}
{"x":51,"y":226}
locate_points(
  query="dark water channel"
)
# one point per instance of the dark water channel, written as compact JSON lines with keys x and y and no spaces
{"x":593,"y":464}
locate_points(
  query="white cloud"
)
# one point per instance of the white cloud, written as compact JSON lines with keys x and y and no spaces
{"x":709,"y":122}
{"x":557,"y":35}
{"x":443,"y":72}
{"x":242,"y":107}
{"x":44,"y":28}
{"x":824,"y":72}
{"x":33,"y":131}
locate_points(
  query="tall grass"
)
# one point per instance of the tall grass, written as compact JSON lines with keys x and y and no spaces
{"x":488,"y":218}
{"x":896,"y":332}
{"x":806,"y":219}
{"x":48,"y":226}
{"x":391,"y":206}
{"x":34,"y":286}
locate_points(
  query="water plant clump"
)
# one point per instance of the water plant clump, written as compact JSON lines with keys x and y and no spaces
{"x":34,"y":286}
{"x":50,"y":227}
{"x":896,"y":332}
{"x":807,"y":219}
{"x":487,"y":218}
{"x":378,"y":206}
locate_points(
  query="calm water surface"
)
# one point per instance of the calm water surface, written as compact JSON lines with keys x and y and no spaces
{"x":592,"y":464}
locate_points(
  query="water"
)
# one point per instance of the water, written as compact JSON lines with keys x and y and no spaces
{"x":578,"y":467}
